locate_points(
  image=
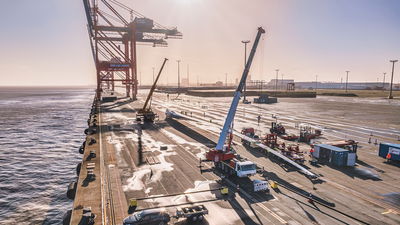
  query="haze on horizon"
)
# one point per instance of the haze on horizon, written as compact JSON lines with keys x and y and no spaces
{"x":45,"y":43}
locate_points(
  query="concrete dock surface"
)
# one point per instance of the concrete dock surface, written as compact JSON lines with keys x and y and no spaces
{"x":172,"y":149}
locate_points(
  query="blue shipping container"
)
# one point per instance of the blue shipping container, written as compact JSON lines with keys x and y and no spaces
{"x":393,"y":149}
{"x":339,"y":158}
{"x":334,"y":155}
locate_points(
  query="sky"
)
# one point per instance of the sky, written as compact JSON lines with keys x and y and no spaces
{"x":45,"y":42}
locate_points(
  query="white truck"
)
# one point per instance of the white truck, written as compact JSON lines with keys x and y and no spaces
{"x":239,"y":168}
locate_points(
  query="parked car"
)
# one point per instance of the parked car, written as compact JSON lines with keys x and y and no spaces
{"x":150,"y":216}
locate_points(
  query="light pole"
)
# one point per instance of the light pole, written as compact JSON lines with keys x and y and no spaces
{"x":179,"y":77}
{"x":226,"y":79}
{"x":316,"y":82}
{"x":276,"y":81}
{"x":245,"y":61}
{"x":347,"y":79}
{"x":391,"y":81}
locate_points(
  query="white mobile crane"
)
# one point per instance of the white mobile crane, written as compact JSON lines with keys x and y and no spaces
{"x":222,"y":155}
{"x":146,"y":114}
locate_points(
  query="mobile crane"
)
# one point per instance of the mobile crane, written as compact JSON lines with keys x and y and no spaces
{"x":222,"y":155}
{"x":146,"y":114}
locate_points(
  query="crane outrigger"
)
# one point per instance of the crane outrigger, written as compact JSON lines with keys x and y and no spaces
{"x":146,"y":114}
{"x":222,"y":155}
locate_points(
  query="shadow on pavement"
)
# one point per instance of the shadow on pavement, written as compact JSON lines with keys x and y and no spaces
{"x":190,"y":133}
{"x":246,"y":219}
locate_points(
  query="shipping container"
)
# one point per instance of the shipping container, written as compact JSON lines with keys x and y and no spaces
{"x":338,"y":158}
{"x":323,"y":151}
{"x":393,"y":149}
{"x":351,"y":159}
{"x":334,"y":155}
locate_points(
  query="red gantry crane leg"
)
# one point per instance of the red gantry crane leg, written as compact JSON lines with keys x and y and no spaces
{"x":113,"y":40}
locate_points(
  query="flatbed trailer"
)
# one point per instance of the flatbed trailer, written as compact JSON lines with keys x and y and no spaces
{"x":192,"y":213}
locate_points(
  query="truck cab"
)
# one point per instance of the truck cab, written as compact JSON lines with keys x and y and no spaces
{"x":245,"y":168}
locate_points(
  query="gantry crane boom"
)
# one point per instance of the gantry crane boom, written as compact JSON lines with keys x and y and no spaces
{"x":238,"y":92}
{"x":154,"y":86}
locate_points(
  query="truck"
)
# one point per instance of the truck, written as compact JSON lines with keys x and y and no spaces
{"x":223,"y":155}
{"x":146,"y":114}
{"x":237,"y":167}
{"x":249,"y":132}
{"x":389,"y":151}
{"x":336,"y":156}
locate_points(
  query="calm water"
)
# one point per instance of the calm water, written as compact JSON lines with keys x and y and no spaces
{"x":40,"y":133}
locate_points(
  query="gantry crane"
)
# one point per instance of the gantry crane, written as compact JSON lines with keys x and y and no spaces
{"x":222,"y":155}
{"x":146,"y":114}
{"x":113,"y":41}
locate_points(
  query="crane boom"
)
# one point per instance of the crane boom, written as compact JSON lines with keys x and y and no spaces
{"x":238,"y":92}
{"x":154,"y":86}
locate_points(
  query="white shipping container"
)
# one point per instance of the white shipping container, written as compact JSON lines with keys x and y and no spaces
{"x":351,"y":159}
